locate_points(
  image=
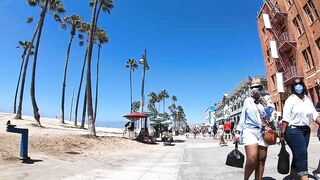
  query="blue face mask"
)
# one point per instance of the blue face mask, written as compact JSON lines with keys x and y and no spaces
{"x":298,"y":88}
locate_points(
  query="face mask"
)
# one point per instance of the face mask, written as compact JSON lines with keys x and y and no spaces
{"x":298,"y":88}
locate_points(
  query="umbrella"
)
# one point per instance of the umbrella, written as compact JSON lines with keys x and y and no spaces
{"x":135,"y":116}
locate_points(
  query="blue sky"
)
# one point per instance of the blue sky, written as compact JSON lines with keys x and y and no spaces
{"x":196,"y":50}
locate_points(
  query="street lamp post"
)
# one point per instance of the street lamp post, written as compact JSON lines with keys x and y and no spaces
{"x":144,"y":62}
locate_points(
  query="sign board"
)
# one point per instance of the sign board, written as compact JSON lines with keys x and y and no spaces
{"x":266,"y":21}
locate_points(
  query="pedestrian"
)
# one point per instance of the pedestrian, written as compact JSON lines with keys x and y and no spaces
{"x":298,"y":113}
{"x":187,"y":131}
{"x":227,"y":130}
{"x":316,"y":173}
{"x":257,"y":110}
{"x":221,"y":134}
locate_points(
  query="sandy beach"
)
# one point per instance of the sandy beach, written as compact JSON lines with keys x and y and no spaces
{"x":61,"y":142}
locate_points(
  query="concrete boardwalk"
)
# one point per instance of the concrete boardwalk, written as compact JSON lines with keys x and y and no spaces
{"x":187,"y":159}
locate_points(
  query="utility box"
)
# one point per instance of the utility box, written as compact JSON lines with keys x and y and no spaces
{"x":24,"y":139}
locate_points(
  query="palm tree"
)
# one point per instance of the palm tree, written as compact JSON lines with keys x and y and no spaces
{"x":74,"y":21}
{"x":153,"y":99}
{"x":159,"y":99}
{"x":55,"y":7}
{"x":164,"y":95}
{"x":136,"y":106}
{"x":180,"y":115}
{"x":22,"y":45}
{"x":173,"y":110}
{"x":107,"y":4}
{"x":84,"y":28}
{"x":102,"y":38}
{"x":132,"y":65}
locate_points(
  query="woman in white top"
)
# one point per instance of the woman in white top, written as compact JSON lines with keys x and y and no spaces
{"x":256,"y":110}
{"x":298,"y":113}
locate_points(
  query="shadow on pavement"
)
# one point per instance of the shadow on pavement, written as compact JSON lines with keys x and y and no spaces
{"x":30,"y":161}
{"x":179,"y":141}
{"x":268,"y":178}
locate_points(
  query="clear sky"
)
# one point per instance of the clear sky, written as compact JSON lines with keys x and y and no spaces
{"x":196,"y":50}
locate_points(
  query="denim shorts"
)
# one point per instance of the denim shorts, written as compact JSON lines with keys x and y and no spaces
{"x":297,"y":138}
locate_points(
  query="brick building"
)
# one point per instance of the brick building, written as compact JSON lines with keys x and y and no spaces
{"x":290,"y":38}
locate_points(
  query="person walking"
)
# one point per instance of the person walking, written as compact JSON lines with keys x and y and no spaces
{"x":227,"y":130}
{"x":316,"y":173}
{"x":221,"y":134}
{"x":257,"y":110}
{"x":298,"y":113}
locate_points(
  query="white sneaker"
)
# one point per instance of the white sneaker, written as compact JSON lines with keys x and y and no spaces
{"x":316,"y":175}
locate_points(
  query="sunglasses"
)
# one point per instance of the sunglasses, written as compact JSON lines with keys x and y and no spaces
{"x":296,"y":83}
{"x":260,"y":87}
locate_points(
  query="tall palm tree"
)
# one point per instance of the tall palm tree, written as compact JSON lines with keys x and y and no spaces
{"x":75,"y":22}
{"x":101,"y":38}
{"x":55,"y":7}
{"x":180,"y":115}
{"x":173,"y":109}
{"x":84,"y":28}
{"x":108,"y":4}
{"x":164,"y":94}
{"x":159,"y":99}
{"x":22,"y":45}
{"x":132,"y":65}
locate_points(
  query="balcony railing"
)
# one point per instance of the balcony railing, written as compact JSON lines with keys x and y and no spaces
{"x":286,"y":42}
{"x":292,"y":72}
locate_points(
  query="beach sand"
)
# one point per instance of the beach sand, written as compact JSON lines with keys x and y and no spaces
{"x":61,"y":142}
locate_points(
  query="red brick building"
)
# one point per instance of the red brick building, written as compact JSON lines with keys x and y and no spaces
{"x":290,"y":38}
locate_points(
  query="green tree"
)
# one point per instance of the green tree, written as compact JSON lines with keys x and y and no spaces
{"x":132,"y":65}
{"x":22,"y":45}
{"x":136,"y":106}
{"x":106,"y":5}
{"x":75,"y":22}
{"x":151,"y":104}
{"x":173,"y":110}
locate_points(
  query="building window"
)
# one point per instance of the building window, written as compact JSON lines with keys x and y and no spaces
{"x":297,"y":23}
{"x":289,"y":2}
{"x":309,"y":13}
{"x":308,"y":57}
{"x":313,"y":7}
{"x":318,"y":42}
{"x":273,"y":78}
{"x":268,"y":55}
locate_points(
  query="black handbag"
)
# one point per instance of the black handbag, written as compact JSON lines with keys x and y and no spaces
{"x":235,"y":158}
{"x":284,"y":160}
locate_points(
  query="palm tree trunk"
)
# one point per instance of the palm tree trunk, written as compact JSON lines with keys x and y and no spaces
{"x":79,"y":90}
{"x":65,"y":79}
{"x":164,"y":105}
{"x":32,"y":91}
{"x":24,"y":73}
{"x":71,"y":104}
{"x":92,"y":130}
{"x":130,"y":90}
{"x":18,"y":83}
{"x":97,"y":85}
{"x":84,"y":110}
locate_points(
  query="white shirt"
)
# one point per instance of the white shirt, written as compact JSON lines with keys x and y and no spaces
{"x":299,"y":112}
{"x":250,"y":117}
